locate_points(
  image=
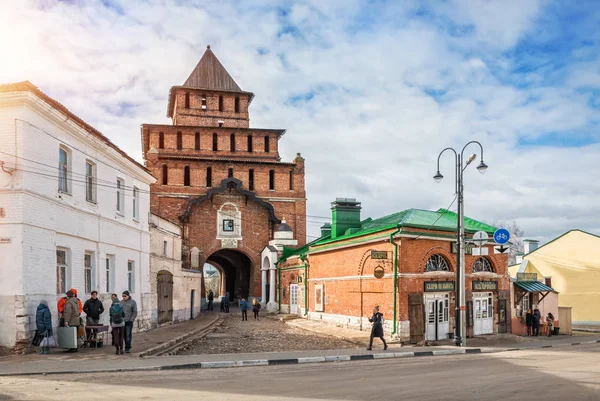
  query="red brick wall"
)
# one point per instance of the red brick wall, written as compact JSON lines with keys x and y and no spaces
{"x":195,"y":115}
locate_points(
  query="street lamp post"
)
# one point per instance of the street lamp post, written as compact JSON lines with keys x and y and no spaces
{"x":460,"y":336}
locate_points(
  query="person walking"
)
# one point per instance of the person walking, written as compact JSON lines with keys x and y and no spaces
{"x":71,"y":313}
{"x":550,"y":321}
{"x":43,"y":323}
{"x":222,"y":304}
{"x":211,"y":297}
{"x":376,"y":328}
{"x":244,"y":308}
{"x":93,"y":308}
{"x":536,"y":322}
{"x":226,"y":302}
{"x":130,"y":309}
{"x":529,"y":321}
{"x":117,"y":323}
{"x":255,"y":308}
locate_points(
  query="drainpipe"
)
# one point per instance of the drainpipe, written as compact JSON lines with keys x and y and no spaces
{"x":303,"y":259}
{"x":394,"y":330}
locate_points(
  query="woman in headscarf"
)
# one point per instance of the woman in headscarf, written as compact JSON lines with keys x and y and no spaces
{"x":43,"y":322}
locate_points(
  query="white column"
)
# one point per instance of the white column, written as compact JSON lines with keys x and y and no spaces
{"x":263,"y":294}
{"x":272,"y":305}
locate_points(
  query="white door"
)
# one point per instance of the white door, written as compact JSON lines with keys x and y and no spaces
{"x":293,"y":299}
{"x":436,"y":316}
{"x":483,"y":315}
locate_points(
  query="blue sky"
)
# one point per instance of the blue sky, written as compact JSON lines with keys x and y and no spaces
{"x":388,"y":84}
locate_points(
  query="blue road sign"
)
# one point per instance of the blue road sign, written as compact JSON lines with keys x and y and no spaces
{"x":501,"y":236}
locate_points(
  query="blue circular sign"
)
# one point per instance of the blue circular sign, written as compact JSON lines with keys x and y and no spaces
{"x":501,"y":236}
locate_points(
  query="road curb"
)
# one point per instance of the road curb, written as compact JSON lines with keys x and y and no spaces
{"x":160,"y":348}
{"x":302,"y":360}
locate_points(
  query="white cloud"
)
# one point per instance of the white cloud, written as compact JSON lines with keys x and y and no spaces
{"x":390,"y":88}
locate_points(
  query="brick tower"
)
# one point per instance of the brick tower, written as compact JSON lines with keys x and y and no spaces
{"x":223,"y":181}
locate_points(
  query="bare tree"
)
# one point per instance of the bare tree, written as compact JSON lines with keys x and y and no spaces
{"x":516,"y":239}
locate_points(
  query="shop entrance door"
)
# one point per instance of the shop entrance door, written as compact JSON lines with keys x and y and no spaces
{"x":436,"y":316}
{"x":483,"y":304}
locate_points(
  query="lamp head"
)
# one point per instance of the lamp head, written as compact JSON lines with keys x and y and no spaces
{"x":482,"y":168}
{"x":471,"y":158}
{"x":438,"y":177}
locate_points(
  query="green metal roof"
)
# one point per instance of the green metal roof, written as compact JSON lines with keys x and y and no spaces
{"x":533,"y":286}
{"x":441,"y":220}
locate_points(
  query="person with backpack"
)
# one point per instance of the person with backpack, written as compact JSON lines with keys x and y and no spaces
{"x":117,"y":323}
{"x":255,"y":308}
{"x":377,"y":328}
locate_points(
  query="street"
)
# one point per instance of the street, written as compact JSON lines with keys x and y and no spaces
{"x":568,"y":373}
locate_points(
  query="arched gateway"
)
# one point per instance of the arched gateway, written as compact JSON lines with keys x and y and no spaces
{"x":236,"y":268}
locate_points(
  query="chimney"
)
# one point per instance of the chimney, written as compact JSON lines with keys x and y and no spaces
{"x":530,"y":245}
{"x":518,"y":258}
{"x":345,"y":214}
{"x":325,"y":230}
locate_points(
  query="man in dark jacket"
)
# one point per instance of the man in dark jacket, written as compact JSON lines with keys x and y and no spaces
{"x":93,"y":308}
{"x":377,"y":328}
{"x":536,"y":322}
{"x":211,"y":297}
{"x":130,"y":310}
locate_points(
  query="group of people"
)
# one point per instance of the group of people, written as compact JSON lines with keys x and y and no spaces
{"x":533,"y":321}
{"x":244,"y":305}
{"x":122,"y":314}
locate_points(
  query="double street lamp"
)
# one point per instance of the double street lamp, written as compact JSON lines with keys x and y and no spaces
{"x":460,"y":309}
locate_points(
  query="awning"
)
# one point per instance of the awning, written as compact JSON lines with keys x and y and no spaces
{"x":533,"y":286}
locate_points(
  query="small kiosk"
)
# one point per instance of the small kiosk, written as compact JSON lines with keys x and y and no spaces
{"x":527,"y":292}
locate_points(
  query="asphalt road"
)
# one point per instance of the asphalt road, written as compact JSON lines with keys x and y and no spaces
{"x":566,"y":373}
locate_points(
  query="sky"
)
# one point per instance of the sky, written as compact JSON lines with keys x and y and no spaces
{"x":369,"y":91}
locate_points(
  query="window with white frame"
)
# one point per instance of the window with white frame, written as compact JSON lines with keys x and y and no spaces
{"x":229,"y":221}
{"x":136,"y":203}
{"x":130,"y":276}
{"x":120,"y":195}
{"x":88,"y":272}
{"x":109,"y":273}
{"x":90,"y":181}
{"x":61,"y":271}
{"x":64,"y":162}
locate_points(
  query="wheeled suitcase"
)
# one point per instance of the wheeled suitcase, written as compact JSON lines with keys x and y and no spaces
{"x":67,"y":337}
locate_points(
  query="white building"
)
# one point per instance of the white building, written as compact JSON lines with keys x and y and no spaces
{"x":73,"y":213}
{"x":176,"y":291}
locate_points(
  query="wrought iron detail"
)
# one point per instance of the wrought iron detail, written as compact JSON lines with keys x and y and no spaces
{"x":437,"y":263}
{"x":482,"y":265}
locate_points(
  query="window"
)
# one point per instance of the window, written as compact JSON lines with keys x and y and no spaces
{"x":90,"y":181}
{"x":197,"y":141}
{"x":267,"y":144}
{"x":179,"y":141}
{"x":272,"y":180}
{"x":203,"y":102}
{"x":230,"y":172}
{"x":237,"y":104}
{"x":220,"y":122}
{"x":215,"y":142}
{"x":548,"y":281}
{"x":291,"y":180}
{"x":161,"y":140}
{"x":251,"y":179}
{"x":136,"y":203}
{"x":130,"y":276}
{"x":63,"y":170}
{"x":165,"y":174}
{"x":525,"y":304}
{"x":88,"y":272}
{"x":482,"y":265}
{"x":61,"y":271}
{"x":232,"y":142}
{"x":249,"y":143}
{"x":120,"y":196}
{"x":186,"y":176}
{"x":187,"y":100}
{"x":436,"y":263}
{"x":109,"y":274}
{"x":165,"y":248}
{"x":209,"y":177}
{"x":228,"y":225}
{"x":221,"y":103}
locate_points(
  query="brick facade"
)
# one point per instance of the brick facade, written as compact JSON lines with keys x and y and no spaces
{"x":209,"y":144}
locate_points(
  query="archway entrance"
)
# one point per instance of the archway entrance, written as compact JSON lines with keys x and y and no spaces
{"x":236,"y":272}
{"x":164,"y":281}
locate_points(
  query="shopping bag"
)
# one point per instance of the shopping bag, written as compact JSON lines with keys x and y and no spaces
{"x":37,"y":339}
{"x":48,"y":342}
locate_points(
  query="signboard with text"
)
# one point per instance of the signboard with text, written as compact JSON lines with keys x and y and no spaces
{"x":379,"y":255}
{"x":439,"y":286}
{"x":468,"y":248}
{"x":527,"y":277}
{"x":485,"y":286}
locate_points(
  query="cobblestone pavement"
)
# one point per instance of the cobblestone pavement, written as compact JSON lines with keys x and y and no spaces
{"x":266,"y":335}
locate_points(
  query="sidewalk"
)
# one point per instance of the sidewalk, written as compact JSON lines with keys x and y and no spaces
{"x":211,"y":361}
{"x":142,"y":343}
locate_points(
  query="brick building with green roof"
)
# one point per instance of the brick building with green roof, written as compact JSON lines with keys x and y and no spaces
{"x":405,"y":263}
